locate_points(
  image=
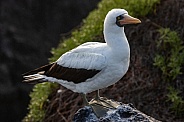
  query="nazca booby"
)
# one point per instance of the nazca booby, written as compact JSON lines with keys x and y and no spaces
{"x":92,"y":65}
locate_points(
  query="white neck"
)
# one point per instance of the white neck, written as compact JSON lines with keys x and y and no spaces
{"x":115,"y":36}
{"x":117,"y":41}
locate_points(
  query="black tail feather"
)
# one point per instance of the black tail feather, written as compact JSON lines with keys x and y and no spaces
{"x":36,"y":75}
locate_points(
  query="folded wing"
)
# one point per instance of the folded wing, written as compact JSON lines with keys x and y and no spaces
{"x":71,"y":67}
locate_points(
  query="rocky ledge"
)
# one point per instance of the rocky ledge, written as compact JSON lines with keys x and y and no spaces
{"x":123,"y":113}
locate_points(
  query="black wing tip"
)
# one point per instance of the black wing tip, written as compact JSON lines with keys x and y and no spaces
{"x":39,"y":70}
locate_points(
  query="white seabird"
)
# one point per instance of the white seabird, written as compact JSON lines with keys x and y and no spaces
{"x":92,"y":65}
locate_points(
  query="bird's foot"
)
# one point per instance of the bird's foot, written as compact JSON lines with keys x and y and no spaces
{"x":102,"y":105}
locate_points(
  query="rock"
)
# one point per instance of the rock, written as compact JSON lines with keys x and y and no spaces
{"x":123,"y":113}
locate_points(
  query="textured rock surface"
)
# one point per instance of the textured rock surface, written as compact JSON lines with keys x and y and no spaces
{"x":124,"y":113}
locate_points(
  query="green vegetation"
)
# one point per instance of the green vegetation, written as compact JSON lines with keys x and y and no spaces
{"x":172,"y":57}
{"x":170,"y":60}
{"x":177,"y":102}
{"x":91,"y":29}
{"x":38,"y":97}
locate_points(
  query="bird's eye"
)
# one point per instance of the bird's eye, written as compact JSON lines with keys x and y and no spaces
{"x":119,"y":17}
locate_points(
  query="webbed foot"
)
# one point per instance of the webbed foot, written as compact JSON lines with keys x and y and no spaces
{"x":101,"y":105}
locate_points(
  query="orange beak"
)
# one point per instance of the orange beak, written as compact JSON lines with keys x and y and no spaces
{"x":129,"y":20}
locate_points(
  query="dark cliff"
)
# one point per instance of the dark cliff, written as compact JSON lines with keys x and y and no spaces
{"x":28,"y":31}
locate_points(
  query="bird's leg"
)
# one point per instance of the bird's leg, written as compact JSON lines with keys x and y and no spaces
{"x":97,"y":98}
{"x":85,"y":101}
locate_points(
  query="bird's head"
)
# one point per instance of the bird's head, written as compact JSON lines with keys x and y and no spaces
{"x":119,"y":17}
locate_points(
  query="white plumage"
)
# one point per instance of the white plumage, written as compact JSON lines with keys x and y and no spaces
{"x":84,"y":60}
{"x":110,"y":60}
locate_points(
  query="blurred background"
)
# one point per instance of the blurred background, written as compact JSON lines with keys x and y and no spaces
{"x":28,"y":31}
